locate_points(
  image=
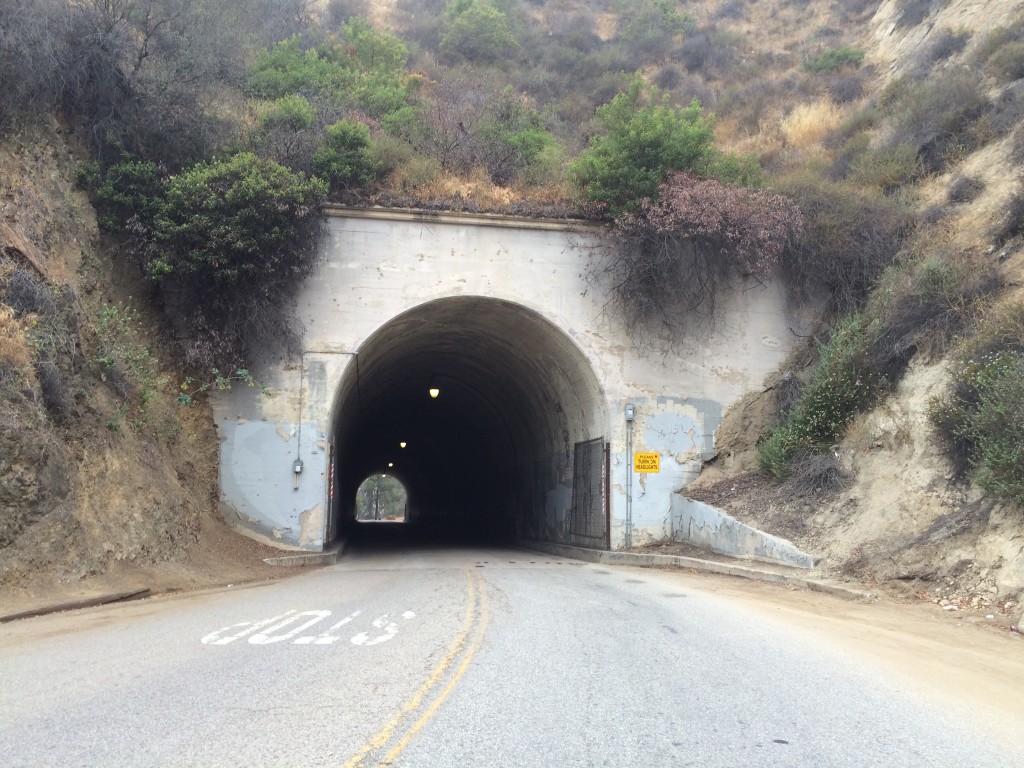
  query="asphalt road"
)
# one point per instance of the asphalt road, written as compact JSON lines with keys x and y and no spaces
{"x":457,"y":657}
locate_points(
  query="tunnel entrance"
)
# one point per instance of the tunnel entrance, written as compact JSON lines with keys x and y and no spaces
{"x":488,"y":414}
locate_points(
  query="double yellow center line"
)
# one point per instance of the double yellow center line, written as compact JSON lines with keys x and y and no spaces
{"x":384,"y":747}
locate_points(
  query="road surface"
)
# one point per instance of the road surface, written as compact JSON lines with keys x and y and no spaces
{"x":477,"y":657}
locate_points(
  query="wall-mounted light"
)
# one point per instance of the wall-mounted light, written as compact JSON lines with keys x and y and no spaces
{"x":391,"y":464}
{"x":402,"y":444}
{"x":434,"y":389}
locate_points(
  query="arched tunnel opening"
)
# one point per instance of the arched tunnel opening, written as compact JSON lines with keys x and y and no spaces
{"x":490,"y":417}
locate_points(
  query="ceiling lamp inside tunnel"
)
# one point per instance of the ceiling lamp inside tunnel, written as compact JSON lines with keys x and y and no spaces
{"x":402,"y":444}
{"x":391,"y":464}
{"x":434,"y":392}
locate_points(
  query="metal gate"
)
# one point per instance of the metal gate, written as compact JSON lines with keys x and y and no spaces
{"x":588,"y":519}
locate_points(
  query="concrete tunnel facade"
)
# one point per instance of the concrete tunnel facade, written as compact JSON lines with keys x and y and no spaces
{"x":527,"y":438}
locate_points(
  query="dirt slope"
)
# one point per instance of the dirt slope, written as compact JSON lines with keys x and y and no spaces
{"x":98,"y":489}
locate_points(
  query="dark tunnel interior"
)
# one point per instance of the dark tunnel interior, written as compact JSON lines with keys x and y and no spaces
{"x":490,"y":458}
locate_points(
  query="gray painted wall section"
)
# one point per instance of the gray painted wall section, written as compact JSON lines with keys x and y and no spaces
{"x":707,"y":527}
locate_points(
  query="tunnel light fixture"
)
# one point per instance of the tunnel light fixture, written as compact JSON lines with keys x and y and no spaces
{"x":434,"y":390}
{"x":391,"y":464}
{"x":402,"y":444}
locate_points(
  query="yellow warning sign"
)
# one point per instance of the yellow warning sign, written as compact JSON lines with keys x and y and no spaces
{"x":647,"y":462}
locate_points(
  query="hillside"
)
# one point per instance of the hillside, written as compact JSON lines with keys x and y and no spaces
{"x":894,"y":126}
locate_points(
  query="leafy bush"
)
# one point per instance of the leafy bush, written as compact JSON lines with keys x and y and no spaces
{"x":833,"y":59}
{"x":511,"y":137}
{"x":477,"y":32}
{"x":640,"y":143}
{"x":290,"y":68}
{"x":360,"y":68}
{"x":981,"y":420}
{"x":126,"y":189}
{"x":286,"y":132}
{"x":668,"y":259}
{"x":225,"y":241}
{"x":345,"y":159}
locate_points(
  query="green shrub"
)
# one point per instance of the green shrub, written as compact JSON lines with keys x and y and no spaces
{"x":642,"y":140}
{"x":291,"y":112}
{"x":981,"y":420}
{"x":478,"y":32}
{"x":129,"y":188}
{"x":345,"y":159}
{"x":290,"y":68}
{"x":229,"y":241}
{"x":834,"y":59}
{"x":361,"y":68}
{"x":511,"y":137}
{"x":124,"y":360}
{"x":841,"y":385}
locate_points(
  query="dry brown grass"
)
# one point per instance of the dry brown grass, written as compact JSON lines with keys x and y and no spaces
{"x":14,"y":349}
{"x":476,"y":187}
{"x":808,"y":124}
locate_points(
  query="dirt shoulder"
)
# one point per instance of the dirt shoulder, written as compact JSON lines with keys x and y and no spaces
{"x":220,"y":557}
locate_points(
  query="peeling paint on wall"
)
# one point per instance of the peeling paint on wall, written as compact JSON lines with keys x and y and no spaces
{"x":311,"y":525}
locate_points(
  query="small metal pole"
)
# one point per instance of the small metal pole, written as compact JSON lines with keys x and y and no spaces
{"x":630,"y":412}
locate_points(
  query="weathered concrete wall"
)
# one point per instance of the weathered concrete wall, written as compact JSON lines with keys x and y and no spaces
{"x":380,"y":264}
{"x":712,"y":529}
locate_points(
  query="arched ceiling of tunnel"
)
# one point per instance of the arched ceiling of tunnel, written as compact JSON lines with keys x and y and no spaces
{"x":515,"y":391}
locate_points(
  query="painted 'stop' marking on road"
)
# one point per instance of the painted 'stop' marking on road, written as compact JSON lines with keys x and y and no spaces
{"x":269,"y":631}
{"x":474,"y":588}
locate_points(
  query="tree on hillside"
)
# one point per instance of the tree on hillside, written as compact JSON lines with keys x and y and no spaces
{"x":477,"y":32}
{"x":643,"y":138}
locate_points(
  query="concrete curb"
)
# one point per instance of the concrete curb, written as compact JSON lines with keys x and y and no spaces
{"x":329,"y":556}
{"x":74,"y":605}
{"x":705,"y":566}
